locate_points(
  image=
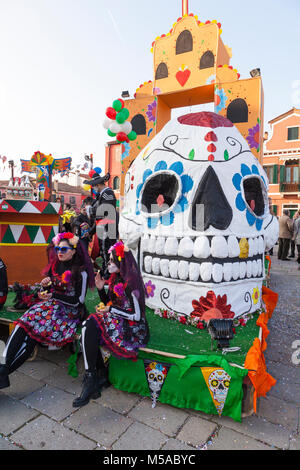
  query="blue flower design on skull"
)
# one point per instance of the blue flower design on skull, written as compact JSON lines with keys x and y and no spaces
{"x":162,"y":193}
{"x":250,"y":197}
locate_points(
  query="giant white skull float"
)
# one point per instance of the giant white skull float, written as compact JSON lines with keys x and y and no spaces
{"x":197,"y":199}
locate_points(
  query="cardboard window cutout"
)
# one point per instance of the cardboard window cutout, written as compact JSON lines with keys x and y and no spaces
{"x":237,"y":111}
{"x":161,"y":71}
{"x":116,"y":183}
{"x":207,"y":60}
{"x":184,"y":42}
{"x":138,"y":123}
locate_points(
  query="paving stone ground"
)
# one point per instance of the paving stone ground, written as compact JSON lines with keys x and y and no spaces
{"x":36,"y":411}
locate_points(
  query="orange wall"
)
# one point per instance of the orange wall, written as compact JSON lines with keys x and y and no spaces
{"x":278,"y":139}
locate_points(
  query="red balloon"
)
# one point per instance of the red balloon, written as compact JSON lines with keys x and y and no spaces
{"x":122,"y":101}
{"x":111,"y":113}
{"x":122,"y":137}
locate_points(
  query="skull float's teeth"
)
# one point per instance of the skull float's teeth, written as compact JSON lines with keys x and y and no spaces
{"x":203,"y":259}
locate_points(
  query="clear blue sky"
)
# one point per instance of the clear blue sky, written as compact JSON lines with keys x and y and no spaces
{"x":63,"y":62}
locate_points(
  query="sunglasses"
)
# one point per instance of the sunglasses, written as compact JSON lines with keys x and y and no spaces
{"x":62,"y":249}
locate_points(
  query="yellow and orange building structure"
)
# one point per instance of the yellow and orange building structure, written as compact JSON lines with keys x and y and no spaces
{"x":192,"y":66}
{"x":281,"y":161}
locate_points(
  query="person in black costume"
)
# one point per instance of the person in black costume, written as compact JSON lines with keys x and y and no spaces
{"x":120,"y":326}
{"x":3,"y":284}
{"x":81,"y":227}
{"x":104,"y":217}
{"x":55,"y":319}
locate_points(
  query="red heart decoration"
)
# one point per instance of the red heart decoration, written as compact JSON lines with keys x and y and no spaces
{"x":211,"y":137}
{"x":211,"y":148}
{"x":211,"y":158}
{"x":182,"y":76}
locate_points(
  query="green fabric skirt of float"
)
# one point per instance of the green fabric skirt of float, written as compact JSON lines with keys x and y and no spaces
{"x":180,"y":384}
{"x":201,"y":379}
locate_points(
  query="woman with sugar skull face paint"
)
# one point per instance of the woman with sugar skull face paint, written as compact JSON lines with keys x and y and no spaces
{"x":120,"y":326}
{"x":55,"y":318}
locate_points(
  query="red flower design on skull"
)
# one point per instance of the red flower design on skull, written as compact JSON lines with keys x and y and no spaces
{"x":212,"y":307}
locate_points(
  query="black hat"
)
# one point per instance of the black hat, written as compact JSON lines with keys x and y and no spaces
{"x":97,"y":179}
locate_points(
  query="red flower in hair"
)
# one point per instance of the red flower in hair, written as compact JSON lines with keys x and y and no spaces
{"x":68,"y":235}
{"x":119,"y":249}
{"x":212,"y":307}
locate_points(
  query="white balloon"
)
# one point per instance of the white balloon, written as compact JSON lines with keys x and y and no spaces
{"x":115,"y":127}
{"x":127,"y":127}
{"x":107,"y":122}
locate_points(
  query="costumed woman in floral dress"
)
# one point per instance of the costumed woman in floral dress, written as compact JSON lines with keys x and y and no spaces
{"x":55,"y":319}
{"x":120,"y":326}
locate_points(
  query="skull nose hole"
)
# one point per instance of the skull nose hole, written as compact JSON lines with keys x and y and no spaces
{"x":254,"y":195}
{"x":210,"y":206}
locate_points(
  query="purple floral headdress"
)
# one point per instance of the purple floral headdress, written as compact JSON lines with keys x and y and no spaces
{"x":72,"y":239}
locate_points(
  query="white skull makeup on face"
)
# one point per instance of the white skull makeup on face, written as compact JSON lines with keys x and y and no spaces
{"x":197,"y":199}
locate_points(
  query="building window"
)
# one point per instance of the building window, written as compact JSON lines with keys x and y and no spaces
{"x":270,"y":173}
{"x":237,"y":111}
{"x":292,"y":174}
{"x":184,"y":42}
{"x":293,"y":133}
{"x":207,"y":60}
{"x":139,"y":124}
{"x":161,"y":71}
{"x":116,"y":183}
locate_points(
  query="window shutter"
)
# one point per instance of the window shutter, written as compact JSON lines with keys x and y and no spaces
{"x":275,"y":174}
{"x":282,"y":173}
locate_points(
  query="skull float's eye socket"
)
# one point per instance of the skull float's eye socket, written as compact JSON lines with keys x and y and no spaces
{"x":215,"y":382}
{"x":160,"y":193}
{"x":254,"y":195}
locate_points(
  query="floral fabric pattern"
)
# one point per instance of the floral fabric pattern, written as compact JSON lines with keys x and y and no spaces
{"x":120,"y":336}
{"x":50,"y":322}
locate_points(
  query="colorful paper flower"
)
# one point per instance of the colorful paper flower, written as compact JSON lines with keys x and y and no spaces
{"x":240,"y":202}
{"x":255,"y":295}
{"x":156,"y":91}
{"x":150,"y":288}
{"x":66,"y":277}
{"x":253,"y":137}
{"x":119,"y":248}
{"x":182,"y":203}
{"x":151,"y":111}
{"x":212,"y":307}
{"x":119,"y":289}
{"x":73,"y":239}
{"x":220,"y":100}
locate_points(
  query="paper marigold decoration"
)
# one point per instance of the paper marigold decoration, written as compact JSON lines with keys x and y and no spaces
{"x":212,"y":307}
